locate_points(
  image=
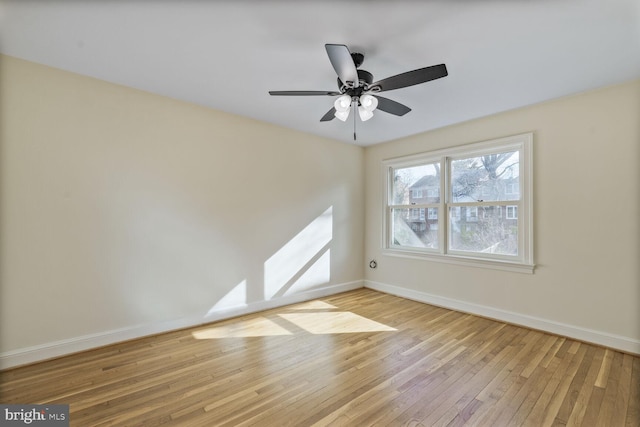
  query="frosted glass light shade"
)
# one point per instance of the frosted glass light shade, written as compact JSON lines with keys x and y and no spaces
{"x":364,"y":113}
{"x":368,"y":102}
{"x":342,"y":115}
{"x":343,"y":103}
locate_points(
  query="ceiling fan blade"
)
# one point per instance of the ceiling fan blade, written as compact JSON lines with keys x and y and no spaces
{"x":302,"y":92}
{"x":392,"y":107}
{"x":329,"y":116}
{"x":411,"y":78}
{"x":342,"y":62}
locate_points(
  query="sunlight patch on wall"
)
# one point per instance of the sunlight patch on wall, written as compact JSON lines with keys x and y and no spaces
{"x":298,"y":255}
{"x":235,"y":298}
{"x":258,"y":327}
{"x":318,"y":273}
{"x":337,"y":322}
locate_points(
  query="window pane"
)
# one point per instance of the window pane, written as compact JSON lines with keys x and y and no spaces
{"x":483,"y":229}
{"x":487,"y":178}
{"x":410,"y":227}
{"x":417,"y":184}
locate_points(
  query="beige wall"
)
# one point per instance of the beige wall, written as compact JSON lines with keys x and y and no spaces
{"x":586,"y":220}
{"x":122,"y":209}
{"x":124,"y":213}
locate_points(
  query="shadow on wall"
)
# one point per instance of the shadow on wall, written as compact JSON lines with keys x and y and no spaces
{"x":303,"y":263}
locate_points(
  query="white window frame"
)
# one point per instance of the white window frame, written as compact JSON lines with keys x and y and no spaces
{"x":523,"y":262}
{"x":514,"y":212}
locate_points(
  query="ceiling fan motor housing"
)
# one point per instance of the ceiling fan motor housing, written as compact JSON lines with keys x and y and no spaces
{"x":365,"y":79}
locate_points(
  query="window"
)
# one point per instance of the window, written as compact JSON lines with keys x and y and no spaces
{"x":416,"y":193}
{"x":511,"y":188}
{"x":486,"y":205}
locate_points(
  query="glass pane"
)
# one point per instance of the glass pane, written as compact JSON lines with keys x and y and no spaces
{"x":487,"y":178}
{"x":484,"y":229}
{"x":416,"y":185}
{"x":414,"y":228}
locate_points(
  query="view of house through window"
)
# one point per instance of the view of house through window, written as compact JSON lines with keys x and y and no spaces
{"x":416,"y":190}
{"x":485,"y":187}
{"x":466,"y":202}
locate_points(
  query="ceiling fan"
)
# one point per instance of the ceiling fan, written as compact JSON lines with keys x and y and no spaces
{"x":357,"y":90}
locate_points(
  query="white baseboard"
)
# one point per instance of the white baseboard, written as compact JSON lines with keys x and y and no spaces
{"x":51,"y":350}
{"x":617,"y":342}
{"x":54,"y":349}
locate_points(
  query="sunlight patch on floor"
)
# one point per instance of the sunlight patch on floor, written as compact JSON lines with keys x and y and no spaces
{"x":312,"y":305}
{"x":337,"y":322}
{"x":258,"y":327}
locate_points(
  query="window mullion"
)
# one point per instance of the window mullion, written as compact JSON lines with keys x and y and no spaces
{"x":444,"y":201}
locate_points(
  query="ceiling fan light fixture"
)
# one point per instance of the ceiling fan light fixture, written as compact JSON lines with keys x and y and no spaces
{"x":364,"y":113}
{"x":342,"y":115}
{"x":342,"y":104}
{"x":368,"y":102}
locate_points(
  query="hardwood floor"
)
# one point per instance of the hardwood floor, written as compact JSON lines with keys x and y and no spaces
{"x":355,"y":359}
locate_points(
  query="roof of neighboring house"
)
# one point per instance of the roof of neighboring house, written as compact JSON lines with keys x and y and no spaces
{"x":426,"y":181}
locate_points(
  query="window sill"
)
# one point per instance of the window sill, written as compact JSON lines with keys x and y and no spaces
{"x":493,"y":264}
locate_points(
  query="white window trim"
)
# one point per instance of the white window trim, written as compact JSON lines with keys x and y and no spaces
{"x":524,"y":262}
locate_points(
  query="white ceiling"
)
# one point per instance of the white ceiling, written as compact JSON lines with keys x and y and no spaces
{"x":500,"y":54}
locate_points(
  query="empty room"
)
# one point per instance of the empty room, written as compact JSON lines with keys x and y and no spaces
{"x":319,"y":213}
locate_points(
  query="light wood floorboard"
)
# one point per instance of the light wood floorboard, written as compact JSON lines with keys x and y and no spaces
{"x":360,"y":358}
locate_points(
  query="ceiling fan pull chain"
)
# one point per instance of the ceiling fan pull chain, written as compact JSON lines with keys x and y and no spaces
{"x":355,"y":105}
